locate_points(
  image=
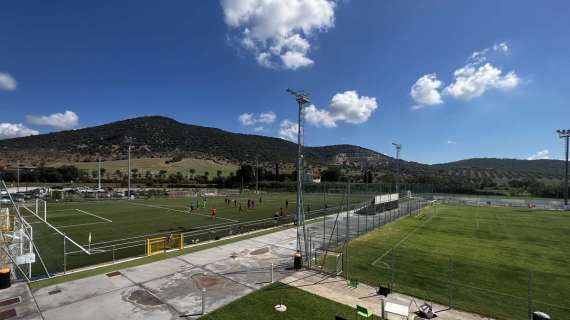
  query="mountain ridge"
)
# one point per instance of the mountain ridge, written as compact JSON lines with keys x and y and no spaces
{"x":160,"y":137}
{"x":155,"y":136}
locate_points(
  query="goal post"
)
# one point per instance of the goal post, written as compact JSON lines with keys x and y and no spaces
{"x":41,"y":209}
{"x":329,"y":261}
{"x":163,"y":244}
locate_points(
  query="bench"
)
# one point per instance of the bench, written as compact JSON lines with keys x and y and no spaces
{"x":397,"y":309}
{"x":363,"y":312}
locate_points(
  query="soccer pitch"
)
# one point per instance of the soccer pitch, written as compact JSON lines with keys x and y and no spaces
{"x":119,"y":228}
{"x":476,"y":258}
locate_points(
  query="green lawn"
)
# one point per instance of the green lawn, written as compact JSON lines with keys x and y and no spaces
{"x":300,"y":305}
{"x":123,"y":226}
{"x":480,"y":257}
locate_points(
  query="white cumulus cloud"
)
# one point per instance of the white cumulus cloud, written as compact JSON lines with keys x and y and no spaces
{"x":288,"y":130}
{"x":472,"y":81}
{"x":426,"y":91}
{"x":66,"y":120}
{"x":7,"y":82}
{"x":250,"y":119}
{"x":15,"y":130}
{"x":277,"y":32}
{"x":347,"y":106}
{"x":543,"y":154}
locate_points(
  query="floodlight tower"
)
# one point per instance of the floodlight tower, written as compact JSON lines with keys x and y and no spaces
{"x":302,"y":100}
{"x":129,"y":141}
{"x":565,"y":134}
{"x":99,"y":173}
{"x":398,"y":149}
{"x":18,"y":174}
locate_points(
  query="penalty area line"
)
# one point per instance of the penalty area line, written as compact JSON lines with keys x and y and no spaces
{"x":81,"y":224}
{"x":94,"y":215}
{"x":379,"y":259}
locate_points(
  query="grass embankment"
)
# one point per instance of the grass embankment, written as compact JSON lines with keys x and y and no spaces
{"x":300,"y":305}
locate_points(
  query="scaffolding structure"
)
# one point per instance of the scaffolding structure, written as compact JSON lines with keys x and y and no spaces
{"x":17,"y":250}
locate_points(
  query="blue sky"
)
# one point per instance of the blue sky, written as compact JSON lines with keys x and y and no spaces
{"x":210,"y":62}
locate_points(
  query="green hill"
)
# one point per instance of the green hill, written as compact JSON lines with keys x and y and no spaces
{"x":160,"y":137}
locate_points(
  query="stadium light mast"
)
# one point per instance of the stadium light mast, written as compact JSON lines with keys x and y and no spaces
{"x":302,"y":99}
{"x":398,"y":149}
{"x":565,"y":134}
{"x":99,"y":174}
{"x":257,"y":174}
{"x":18,"y":174}
{"x":129,"y":140}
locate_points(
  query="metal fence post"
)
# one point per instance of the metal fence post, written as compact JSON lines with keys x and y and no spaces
{"x":203,"y":300}
{"x":271,"y":273}
{"x":393,"y":270}
{"x":450,"y":283}
{"x":113,"y":254}
{"x":64,"y":257}
{"x":530,"y":295}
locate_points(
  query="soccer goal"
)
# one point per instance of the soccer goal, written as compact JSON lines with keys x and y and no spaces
{"x":329,"y":262}
{"x":41,"y":209}
{"x":163,"y":244}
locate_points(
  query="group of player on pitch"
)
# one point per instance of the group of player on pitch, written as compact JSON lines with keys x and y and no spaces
{"x":236,"y":203}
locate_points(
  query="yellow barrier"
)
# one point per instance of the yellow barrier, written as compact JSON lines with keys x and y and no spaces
{"x":7,"y":222}
{"x":163,"y":244}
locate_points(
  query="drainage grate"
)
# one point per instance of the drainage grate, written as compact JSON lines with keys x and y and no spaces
{"x":10,"y":301}
{"x":7,"y":314}
{"x":113,"y":274}
{"x":56,"y":291}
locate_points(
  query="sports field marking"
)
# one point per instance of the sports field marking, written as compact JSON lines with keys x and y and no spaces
{"x":94,"y":215}
{"x":181,"y":211}
{"x":379,"y":259}
{"x":80,"y":225}
{"x":58,"y":231}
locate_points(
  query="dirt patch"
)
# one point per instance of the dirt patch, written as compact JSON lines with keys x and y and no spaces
{"x":144,"y":298}
{"x":206,"y":281}
{"x":259,"y":251}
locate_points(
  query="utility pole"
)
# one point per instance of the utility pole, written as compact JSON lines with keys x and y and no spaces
{"x":302,"y":99}
{"x":565,"y":134}
{"x":398,"y":148}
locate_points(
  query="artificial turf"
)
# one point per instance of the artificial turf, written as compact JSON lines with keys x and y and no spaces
{"x":119,"y":228}
{"x":478,"y":259}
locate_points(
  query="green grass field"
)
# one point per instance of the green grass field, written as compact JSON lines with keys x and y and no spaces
{"x":119,"y":228}
{"x":300,"y":305}
{"x":479,"y":258}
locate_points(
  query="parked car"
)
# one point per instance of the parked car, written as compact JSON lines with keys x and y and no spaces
{"x":5,"y":199}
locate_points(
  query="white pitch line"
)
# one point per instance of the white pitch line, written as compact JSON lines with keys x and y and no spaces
{"x":401,"y":241}
{"x":81,"y":224}
{"x":94,"y":215}
{"x":182,"y":211}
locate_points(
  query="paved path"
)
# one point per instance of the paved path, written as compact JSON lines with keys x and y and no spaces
{"x":336,"y":289}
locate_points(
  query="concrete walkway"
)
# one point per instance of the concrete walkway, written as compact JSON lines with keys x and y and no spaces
{"x":336,"y":289}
